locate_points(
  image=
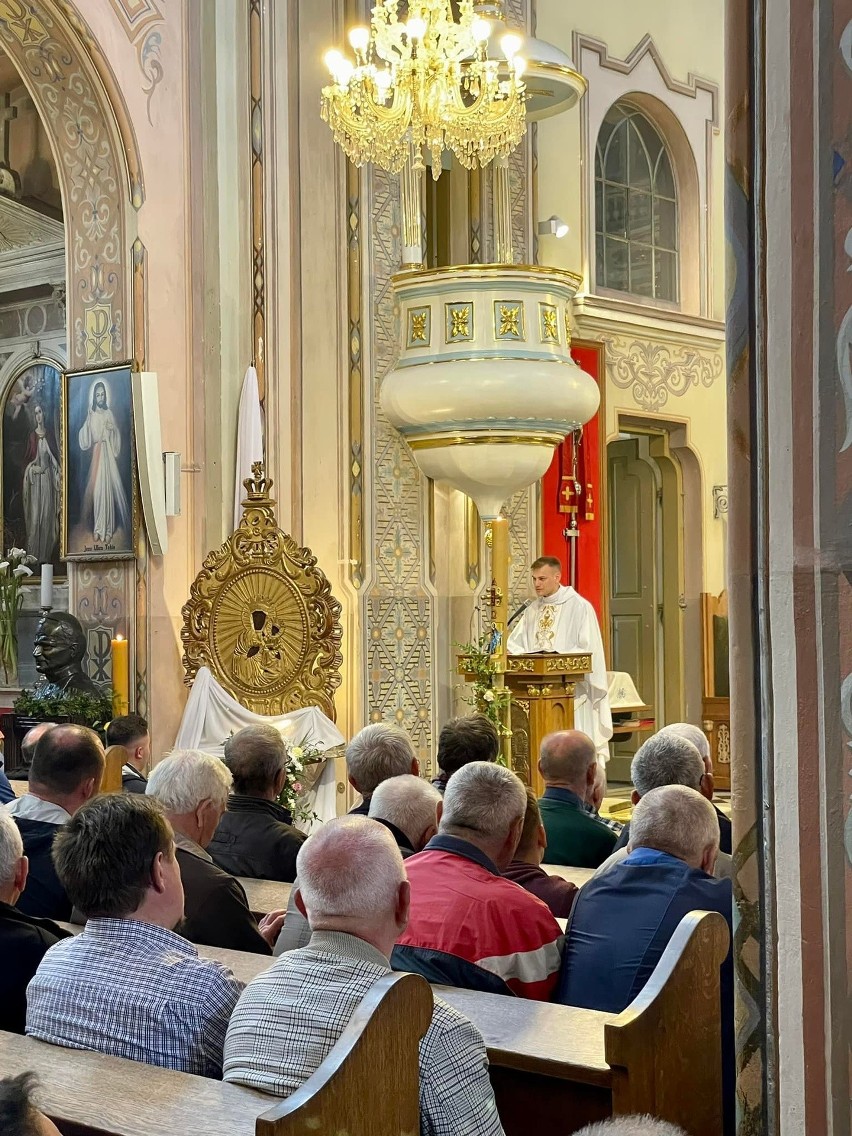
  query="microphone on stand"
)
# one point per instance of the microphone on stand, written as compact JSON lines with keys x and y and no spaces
{"x":519,"y":612}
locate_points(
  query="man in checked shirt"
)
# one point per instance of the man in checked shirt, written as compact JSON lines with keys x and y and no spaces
{"x":128,"y":985}
{"x":354,"y":893}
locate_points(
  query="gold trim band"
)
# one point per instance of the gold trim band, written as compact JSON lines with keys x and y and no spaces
{"x":465,"y":272}
{"x":485,"y":440}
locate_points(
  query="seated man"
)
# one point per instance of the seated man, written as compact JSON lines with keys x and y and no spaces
{"x":127,"y":985}
{"x":558,"y":894}
{"x":192,"y":789}
{"x":410,"y":808}
{"x":667,"y":758}
{"x":23,"y":938}
{"x":290,"y":1016}
{"x":623,"y":920}
{"x":130,"y":731}
{"x":702,"y":743}
{"x":576,"y":837}
{"x":631,"y":1126}
{"x":468,"y":926}
{"x":7,"y":793}
{"x":66,"y":771}
{"x":462,"y":740}
{"x":593,"y":805}
{"x":31,"y":740}
{"x":255,"y":837}
{"x":375,"y":753}
{"x":18,"y":1115}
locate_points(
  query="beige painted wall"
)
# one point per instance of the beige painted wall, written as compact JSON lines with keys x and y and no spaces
{"x":690,"y":42}
{"x":193,"y":224}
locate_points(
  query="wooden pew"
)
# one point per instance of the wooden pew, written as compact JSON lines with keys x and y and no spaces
{"x":576,"y":876}
{"x":265,"y":895}
{"x":270,"y":895}
{"x":565,"y":1067}
{"x":89,"y":1094}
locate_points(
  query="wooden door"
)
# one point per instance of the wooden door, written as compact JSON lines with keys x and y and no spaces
{"x":632,"y":556}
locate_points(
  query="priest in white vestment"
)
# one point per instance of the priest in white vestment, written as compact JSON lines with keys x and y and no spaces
{"x":560,"y":620}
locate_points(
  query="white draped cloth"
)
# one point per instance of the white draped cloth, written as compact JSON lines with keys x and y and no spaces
{"x":212,"y":715}
{"x":565,"y":623}
{"x":249,"y":438}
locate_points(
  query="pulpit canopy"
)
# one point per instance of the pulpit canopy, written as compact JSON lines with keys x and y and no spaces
{"x":262,"y":617}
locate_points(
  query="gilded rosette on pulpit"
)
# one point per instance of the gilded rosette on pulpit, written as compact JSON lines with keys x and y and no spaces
{"x":262,"y":617}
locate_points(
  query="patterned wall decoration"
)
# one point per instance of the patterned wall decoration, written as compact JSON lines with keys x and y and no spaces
{"x":66,"y":75}
{"x":392,"y":562}
{"x":142,"y":21}
{"x":655,"y":372}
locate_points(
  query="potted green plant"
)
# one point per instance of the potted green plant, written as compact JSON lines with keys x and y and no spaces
{"x":92,"y":710}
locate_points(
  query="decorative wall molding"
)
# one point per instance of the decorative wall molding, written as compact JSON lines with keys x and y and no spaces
{"x":655,"y":372}
{"x":720,"y":502}
{"x":142,"y":22}
{"x":646,"y":46}
{"x":687,"y":114}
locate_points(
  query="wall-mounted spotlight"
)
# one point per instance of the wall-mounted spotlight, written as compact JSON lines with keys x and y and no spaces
{"x":553,"y":227}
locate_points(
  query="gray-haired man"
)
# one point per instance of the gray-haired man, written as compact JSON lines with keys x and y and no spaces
{"x":289,"y":1017}
{"x":375,"y":753}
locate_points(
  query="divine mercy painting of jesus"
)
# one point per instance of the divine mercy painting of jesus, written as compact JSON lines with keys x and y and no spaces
{"x":99,"y":513}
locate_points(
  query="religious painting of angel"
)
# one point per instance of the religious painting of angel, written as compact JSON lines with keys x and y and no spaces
{"x":32,"y":463}
{"x":99,"y":519}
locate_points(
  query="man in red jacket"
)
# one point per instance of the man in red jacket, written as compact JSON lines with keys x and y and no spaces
{"x":468,"y":926}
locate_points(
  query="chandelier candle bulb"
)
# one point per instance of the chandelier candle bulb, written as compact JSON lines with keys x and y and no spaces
{"x":120,"y":676}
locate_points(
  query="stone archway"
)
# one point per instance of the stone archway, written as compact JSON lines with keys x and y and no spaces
{"x":100,"y":178}
{"x":63,"y":82}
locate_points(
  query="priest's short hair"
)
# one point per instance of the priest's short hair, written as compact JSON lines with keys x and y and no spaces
{"x":546,"y":562}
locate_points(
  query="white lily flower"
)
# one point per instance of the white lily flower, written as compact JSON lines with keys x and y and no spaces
{"x":22,"y":570}
{"x":16,"y":553}
{"x":4,"y":566}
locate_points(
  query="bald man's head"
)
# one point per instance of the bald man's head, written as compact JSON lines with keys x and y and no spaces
{"x":568,"y":760}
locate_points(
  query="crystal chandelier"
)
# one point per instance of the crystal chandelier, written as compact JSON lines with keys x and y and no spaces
{"x":426,"y":82}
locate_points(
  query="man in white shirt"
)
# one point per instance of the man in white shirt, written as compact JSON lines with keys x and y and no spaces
{"x":559,"y":620}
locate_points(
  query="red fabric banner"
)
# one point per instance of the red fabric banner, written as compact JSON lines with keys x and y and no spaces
{"x":558,"y":492}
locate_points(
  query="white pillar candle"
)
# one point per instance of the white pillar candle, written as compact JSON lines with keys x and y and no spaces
{"x":47,"y":585}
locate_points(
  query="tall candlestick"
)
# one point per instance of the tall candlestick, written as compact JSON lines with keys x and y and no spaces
{"x":120,"y":677}
{"x":47,"y":586}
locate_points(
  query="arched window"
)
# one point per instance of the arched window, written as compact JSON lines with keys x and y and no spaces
{"x":636,"y":223}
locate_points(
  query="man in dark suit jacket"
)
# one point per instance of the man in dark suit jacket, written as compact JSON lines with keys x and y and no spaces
{"x":66,"y":771}
{"x":255,"y":837}
{"x":623,"y":920}
{"x":192,"y":790}
{"x":23,"y":938}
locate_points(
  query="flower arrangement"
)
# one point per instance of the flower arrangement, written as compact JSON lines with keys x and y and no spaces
{"x":486,"y":698}
{"x":291,"y":796}
{"x":14,"y":569}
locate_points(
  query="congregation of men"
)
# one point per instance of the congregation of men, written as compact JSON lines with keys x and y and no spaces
{"x":443,"y":880}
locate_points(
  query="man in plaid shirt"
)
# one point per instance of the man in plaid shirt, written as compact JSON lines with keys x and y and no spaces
{"x":128,"y":985}
{"x":355,"y":895}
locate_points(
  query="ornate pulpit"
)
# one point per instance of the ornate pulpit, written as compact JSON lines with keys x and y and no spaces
{"x":542,"y":689}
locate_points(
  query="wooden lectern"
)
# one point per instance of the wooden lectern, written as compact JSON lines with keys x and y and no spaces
{"x":542,"y":689}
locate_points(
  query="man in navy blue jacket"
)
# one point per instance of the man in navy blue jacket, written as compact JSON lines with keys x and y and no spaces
{"x":623,"y":920}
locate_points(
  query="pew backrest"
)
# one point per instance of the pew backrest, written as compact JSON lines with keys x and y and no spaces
{"x":90,"y":1094}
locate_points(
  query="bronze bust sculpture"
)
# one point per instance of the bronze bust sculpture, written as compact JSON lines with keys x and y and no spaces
{"x":60,"y":645}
